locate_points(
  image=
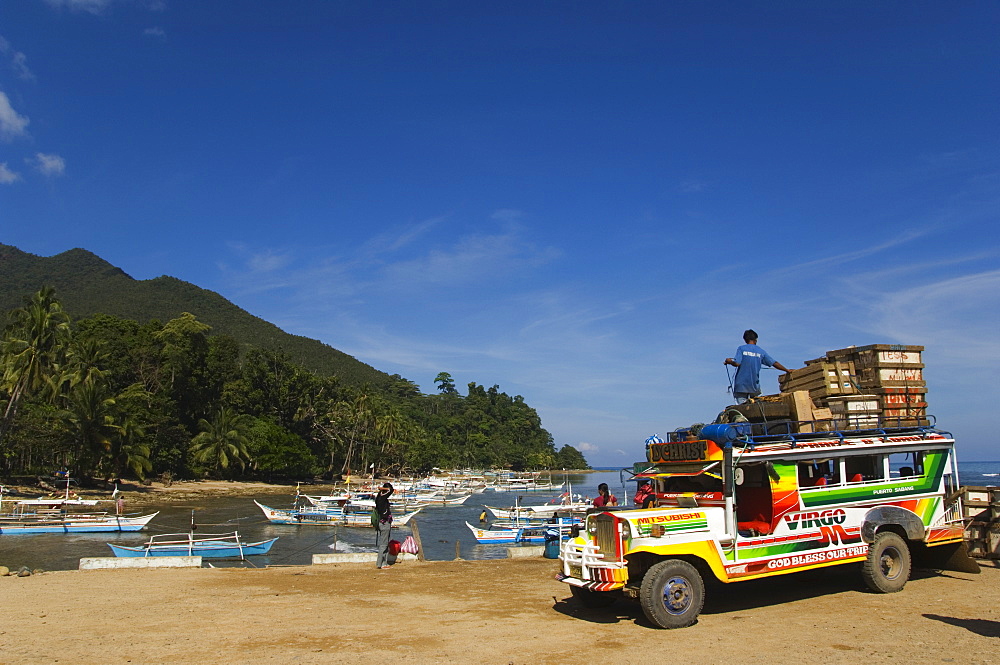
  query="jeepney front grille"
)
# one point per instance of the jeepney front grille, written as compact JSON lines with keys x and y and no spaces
{"x":607,"y":537}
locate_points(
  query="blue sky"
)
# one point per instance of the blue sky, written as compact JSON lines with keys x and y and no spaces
{"x":585,"y":203}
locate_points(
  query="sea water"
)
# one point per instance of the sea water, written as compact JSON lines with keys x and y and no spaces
{"x":443,"y":531}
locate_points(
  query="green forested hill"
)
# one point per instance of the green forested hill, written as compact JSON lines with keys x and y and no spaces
{"x":87,"y":284}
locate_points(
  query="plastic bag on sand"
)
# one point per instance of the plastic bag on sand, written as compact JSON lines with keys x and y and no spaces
{"x":409,"y":545}
{"x":394,"y":546}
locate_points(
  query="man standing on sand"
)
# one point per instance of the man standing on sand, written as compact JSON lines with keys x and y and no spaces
{"x":383,"y":524}
{"x":748,"y":361}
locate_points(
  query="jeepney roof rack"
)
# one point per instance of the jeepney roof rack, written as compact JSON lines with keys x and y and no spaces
{"x":752,"y":440}
{"x":790,"y":432}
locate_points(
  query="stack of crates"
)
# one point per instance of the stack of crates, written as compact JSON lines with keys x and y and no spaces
{"x":893,"y":376}
{"x":823,"y":378}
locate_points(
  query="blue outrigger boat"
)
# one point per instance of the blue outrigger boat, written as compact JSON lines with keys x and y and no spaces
{"x":216,"y":546}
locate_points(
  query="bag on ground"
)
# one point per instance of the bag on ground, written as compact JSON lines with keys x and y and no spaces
{"x":409,"y":545}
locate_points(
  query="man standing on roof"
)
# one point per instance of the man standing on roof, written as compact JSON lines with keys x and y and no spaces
{"x":747,"y":362}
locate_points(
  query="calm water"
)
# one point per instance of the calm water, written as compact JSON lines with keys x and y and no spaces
{"x":440,"y":528}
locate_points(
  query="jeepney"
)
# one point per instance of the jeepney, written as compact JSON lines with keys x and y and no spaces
{"x":737,"y":503}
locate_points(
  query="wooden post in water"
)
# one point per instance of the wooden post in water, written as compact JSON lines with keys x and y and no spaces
{"x":458,"y":550}
{"x":416,"y":537}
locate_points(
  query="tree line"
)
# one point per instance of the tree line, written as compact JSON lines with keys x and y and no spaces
{"x":108,"y":397}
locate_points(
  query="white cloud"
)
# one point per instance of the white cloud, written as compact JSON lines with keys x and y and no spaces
{"x":692,"y":186}
{"x":89,"y":6}
{"x":12,"y":125}
{"x":50,"y":165}
{"x":7,"y":176}
{"x":18,"y":61}
{"x":470,"y":260}
{"x":156,"y":32}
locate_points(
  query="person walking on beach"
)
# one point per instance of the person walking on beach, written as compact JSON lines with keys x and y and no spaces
{"x":384,"y":524}
{"x":748,"y":360}
{"x":604,"y":497}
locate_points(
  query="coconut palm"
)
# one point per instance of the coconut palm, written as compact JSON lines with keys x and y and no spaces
{"x":31,"y":350}
{"x":222,"y":442}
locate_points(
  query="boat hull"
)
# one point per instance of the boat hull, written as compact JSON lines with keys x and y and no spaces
{"x":75,"y":524}
{"x":207,"y":549}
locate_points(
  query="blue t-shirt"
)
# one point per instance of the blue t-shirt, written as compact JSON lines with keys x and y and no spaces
{"x":750,"y":357}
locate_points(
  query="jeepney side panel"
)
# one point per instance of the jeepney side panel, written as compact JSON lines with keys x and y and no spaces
{"x":825,"y":526}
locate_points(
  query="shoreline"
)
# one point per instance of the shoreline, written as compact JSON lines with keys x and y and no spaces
{"x":138,"y":494}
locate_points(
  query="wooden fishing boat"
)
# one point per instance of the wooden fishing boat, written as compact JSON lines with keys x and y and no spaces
{"x":62,"y":515}
{"x":62,"y":522}
{"x":530,"y":533}
{"x":227,"y":545}
{"x":353,"y":514}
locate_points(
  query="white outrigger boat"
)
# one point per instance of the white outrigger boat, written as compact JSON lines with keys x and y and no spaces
{"x":219,"y":546}
{"x":62,"y":515}
{"x":354,"y":514}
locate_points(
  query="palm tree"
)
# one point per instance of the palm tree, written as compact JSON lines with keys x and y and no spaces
{"x":31,"y":350}
{"x":89,"y":414}
{"x":222,"y":441}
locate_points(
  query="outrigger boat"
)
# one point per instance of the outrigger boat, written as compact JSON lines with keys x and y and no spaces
{"x":510,"y":533}
{"x":52,"y":515}
{"x":217,"y":546}
{"x":355,"y":514}
{"x":55,"y":521}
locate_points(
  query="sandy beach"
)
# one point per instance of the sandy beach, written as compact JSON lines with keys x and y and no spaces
{"x":497,"y":611}
{"x":501,"y":611}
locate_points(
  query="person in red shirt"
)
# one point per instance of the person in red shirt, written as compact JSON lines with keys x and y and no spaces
{"x":604,"y":497}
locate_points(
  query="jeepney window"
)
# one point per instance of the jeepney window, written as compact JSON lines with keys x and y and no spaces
{"x":753,"y":475}
{"x":819,"y":472}
{"x":700,"y":483}
{"x":906,"y":465}
{"x":859,"y":468}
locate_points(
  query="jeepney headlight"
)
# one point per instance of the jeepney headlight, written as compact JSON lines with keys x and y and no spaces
{"x":626,"y":529}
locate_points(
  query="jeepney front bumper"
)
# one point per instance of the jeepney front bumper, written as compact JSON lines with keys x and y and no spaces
{"x":584,"y":565}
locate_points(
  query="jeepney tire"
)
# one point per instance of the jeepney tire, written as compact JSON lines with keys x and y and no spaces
{"x":672,"y":594}
{"x":887,"y":568}
{"x":593,"y":599}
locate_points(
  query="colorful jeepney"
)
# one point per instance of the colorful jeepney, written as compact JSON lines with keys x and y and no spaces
{"x":735,"y":503}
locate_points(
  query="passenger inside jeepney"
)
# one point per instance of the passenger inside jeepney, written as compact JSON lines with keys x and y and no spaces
{"x":816,"y":473}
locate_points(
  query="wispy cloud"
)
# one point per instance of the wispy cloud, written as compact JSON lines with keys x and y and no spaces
{"x":95,"y":7}
{"x":7,"y":177}
{"x":156,"y":32}
{"x":471,"y":259}
{"x":692,"y":186}
{"x":12,"y":124}
{"x":49,"y":165}
{"x":18,"y":61}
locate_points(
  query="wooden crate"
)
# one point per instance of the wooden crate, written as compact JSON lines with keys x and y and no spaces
{"x":875,"y":355}
{"x":821,"y":379}
{"x":873,"y":377}
{"x":981,"y":505}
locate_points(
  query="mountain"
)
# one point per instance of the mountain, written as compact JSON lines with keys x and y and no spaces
{"x":86,"y":284}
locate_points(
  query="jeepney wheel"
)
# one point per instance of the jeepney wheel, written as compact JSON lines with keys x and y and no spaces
{"x":887,"y":567}
{"x":593,"y":599}
{"x":672,"y":594}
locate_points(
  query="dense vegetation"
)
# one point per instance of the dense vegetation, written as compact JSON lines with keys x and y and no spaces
{"x":106,"y":396}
